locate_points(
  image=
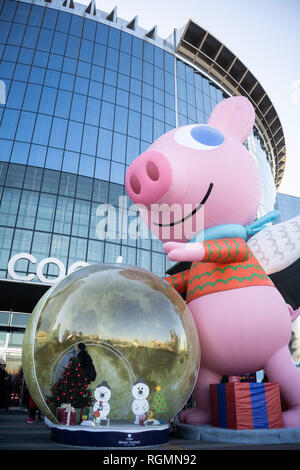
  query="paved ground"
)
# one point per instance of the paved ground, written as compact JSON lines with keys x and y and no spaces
{"x":16,"y":435}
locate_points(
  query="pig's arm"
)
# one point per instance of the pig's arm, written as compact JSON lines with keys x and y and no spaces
{"x":229,"y":250}
{"x":179,"y":281}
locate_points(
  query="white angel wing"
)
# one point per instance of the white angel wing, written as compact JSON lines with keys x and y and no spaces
{"x":277,"y":246}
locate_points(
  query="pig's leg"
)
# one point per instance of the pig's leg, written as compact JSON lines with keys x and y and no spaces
{"x":281,"y":369}
{"x":201,"y":414}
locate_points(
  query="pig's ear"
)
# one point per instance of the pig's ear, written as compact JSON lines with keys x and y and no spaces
{"x":234,"y":115}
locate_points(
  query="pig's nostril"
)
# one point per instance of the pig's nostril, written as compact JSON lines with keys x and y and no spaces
{"x":135,"y":184}
{"x":152,"y":171}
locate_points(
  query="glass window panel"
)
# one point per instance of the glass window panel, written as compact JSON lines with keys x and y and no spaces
{"x":16,"y":95}
{"x":63,"y":104}
{"x":110,"y":77}
{"x":63,"y":215}
{"x":48,"y":99}
{"x":59,"y":248}
{"x":74,"y":137}
{"x":20,"y":320}
{"x":170,"y":101}
{"x":4,"y":30}
{"x":4,"y":317}
{"x":95,"y":251}
{"x":147,"y":107}
{"x":93,"y":111}
{"x":129,"y":255}
{"x":54,"y":159}
{"x":100,"y":191}
{"x":9,"y":124}
{"x":41,"y":59}
{"x":77,"y":252}
{"x":121,"y":117}
{"x":20,"y":153}
{"x":133,"y":149}
{"x":15,"y":339}
{"x":33,"y":178}
{"x":22,"y":13}
{"x":135,"y":102}
{"x":147,"y":91}
{"x":32,"y":97}
{"x":95,"y":89}
{"x":37,"y":75}
{"x":81,"y":218}
{"x":112,"y":251}
{"x":41,"y":245}
{"x":109,"y":93}
{"x":117,"y":174}
{"x":45,"y":39}
{"x":36,"y":15}
{"x":52,"y":78}
{"x":3,"y":171}
{"x":170,"y":117}
{"x":104,"y":143}
{"x":123,"y":82}
{"x":25,"y":126}
{"x":58,"y":132}
{"x":84,"y":69}
{"x":25,"y":56}
{"x":72,"y":49}
{"x":5,"y":244}
{"x":78,"y":107}
{"x":99,"y":55}
{"x":169,"y":83}
{"x":124,"y":63}
{"x":134,"y":123}
{"x":169,"y":62}
{"x":67,"y":185}
{"x":15,"y":176}
{"x":102,"y":169}
{"x":70,"y":162}
{"x":9,"y":206}
{"x":50,"y":18}
{"x":69,"y":65}
{"x":11,"y":53}
{"x":159,"y":57}
{"x":101,"y":33}
{"x":63,"y":22}
{"x":22,"y":72}
{"x":86,"y":165}
{"x":144,"y":259}
{"x":84,"y":188}
{"x":137,"y":47}
{"x":37,"y":155}
{"x":114,"y":38}
{"x":97,"y":73}
{"x":112,"y":59}
{"x":27,"y":209}
{"x":50,"y":181}
{"x":89,"y":29}
{"x":42,"y":129}
{"x":76,"y":25}
{"x":119,"y":147}
{"x":30,"y":37}
{"x":89,"y":141}
{"x":86,"y":50}
{"x":6,"y":69}
{"x":159,"y":111}
{"x":159,"y":96}
{"x":5,"y":150}
{"x":136,"y":68}
{"x":16,"y":34}
{"x":45,"y":214}
{"x":148,"y":52}
{"x":67,"y":82}
{"x":148,"y":73}
{"x":158,"y":78}
{"x":147,"y":128}
{"x":107,"y":115}
{"x":59,"y":43}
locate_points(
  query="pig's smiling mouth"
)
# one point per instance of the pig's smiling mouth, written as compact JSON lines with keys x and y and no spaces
{"x":191,"y":213}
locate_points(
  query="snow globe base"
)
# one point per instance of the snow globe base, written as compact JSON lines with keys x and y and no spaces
{"x":117,"y":435}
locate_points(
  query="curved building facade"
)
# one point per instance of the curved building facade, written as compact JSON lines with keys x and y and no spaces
{"x":85,"y":93}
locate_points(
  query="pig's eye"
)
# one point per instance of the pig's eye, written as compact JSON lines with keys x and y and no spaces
{"x":199,"y":137}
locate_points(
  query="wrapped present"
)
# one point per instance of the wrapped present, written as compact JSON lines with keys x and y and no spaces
{"x":246,"y":405}
{"x":66,"y":415}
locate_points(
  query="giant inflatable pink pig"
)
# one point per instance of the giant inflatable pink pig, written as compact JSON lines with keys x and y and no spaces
{"x":199,"y":190}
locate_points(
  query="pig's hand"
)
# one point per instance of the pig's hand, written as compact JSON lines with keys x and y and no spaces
{"x":184,"y":251}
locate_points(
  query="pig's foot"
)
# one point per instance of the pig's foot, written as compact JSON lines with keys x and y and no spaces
{"x":195,"y":416}
{"x":291,"y":417}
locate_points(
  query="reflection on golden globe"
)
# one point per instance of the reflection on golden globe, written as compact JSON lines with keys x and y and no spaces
{"x":134,"y":324}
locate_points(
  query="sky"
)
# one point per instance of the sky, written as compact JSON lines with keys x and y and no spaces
{"x":264,"y":34}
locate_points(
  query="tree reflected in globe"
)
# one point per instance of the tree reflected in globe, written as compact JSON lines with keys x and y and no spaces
{"x":134,"y":324}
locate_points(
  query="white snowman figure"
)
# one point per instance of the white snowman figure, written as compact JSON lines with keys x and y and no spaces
{"x":101,"y":408}
{"x":140,"y":405}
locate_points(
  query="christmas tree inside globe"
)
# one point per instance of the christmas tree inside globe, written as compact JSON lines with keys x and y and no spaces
{"x":72,"y":387}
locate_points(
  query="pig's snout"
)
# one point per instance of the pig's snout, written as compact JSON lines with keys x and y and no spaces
{"x":148,"y":178}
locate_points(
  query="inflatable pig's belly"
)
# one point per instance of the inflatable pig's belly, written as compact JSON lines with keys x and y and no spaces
{"x":240,"y":329}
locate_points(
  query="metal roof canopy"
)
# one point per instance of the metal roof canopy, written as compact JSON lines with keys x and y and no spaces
{"x":220,"y":63}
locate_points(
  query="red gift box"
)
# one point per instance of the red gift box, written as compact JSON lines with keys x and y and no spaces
{"x":246,"y":405}
{"x":66,"y":416}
